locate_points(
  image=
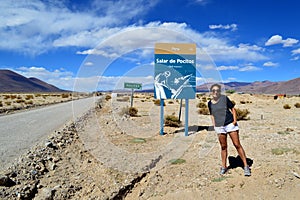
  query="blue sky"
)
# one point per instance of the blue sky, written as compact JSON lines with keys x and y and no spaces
{"x":99,"y":44}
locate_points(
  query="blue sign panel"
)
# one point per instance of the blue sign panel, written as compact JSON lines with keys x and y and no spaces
{"x":175,"y":71}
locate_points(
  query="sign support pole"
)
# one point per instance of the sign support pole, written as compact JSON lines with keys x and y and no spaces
{"x":131,"y":101}
{"x":179,"y":115}
{"x":186,"y":129}
{"x":161,"y":117}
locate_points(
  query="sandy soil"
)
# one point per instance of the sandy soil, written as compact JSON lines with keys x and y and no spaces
{"x":108,"y":155}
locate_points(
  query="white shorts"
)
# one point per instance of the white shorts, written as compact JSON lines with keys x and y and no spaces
{"x":226,"y":129}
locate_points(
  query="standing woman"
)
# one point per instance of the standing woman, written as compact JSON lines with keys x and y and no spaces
{"x":224,"y":119}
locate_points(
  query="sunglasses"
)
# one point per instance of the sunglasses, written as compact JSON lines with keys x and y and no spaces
{"x":213,"y":90}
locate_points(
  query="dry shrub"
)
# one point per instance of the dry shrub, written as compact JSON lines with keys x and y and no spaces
{"x":203,"y":111}
{"x":243,"y":102}
{"x":29,"y":102}
{"x":170,"y":102}
{"x":13,"y":96}
{"x":8,"y":103}
{"x":37,"y":95}
{"x":297,"y":105}
{"x":65,"y":95}
{"x":107,"y":97}
{"x":6,"y":97}
{"x":287,"y":106}
{"x":157,"y":102}
{"x":172,"y":121}
{"x":20,"y":101}
{"x":29,"y":96}
{"x":201,"y":105}
{"x":1,"y":104}
{"x":133,"y":111}
{"x":242,"y":114}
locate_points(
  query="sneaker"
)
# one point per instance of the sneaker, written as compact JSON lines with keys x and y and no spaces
{"x":247,"y":171}
{"x":223,"y":170}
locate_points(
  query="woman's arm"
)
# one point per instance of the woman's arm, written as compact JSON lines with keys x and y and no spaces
{"x":213,"y":120}
{"x":234,"y":116}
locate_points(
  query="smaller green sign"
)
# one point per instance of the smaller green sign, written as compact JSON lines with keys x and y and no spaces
{"x":133,"y":85}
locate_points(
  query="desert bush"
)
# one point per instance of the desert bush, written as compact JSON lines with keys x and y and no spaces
{"x":1,"y":104}
{"x":242,"y":102}
{"x":37,"y":95}
{"x":287,"y":106}
{"x":13,"y":96}
{"x":170,"y":102}
{"x":20,"y":101}
{"x":280,"y":151}
{"x":65,"y":95}
{"x":177,"y":161}
{"x":230,"y":91}
{"x":8,"y":103}
{"x":29,"y":96}
{"x":204,"y":99}
{"x":133,"y":111}
{"x":107,"y":97}
{"x":242,"y":114}
{"x":6,"y":97}
{"x":297,"y":105}
{"x":157,"y":102}
{"x":203,"y":111}
{"x":172,"y":121}
{"x":29,"y":102}
{"x":19,"y":97}
{"x":201,"y":105}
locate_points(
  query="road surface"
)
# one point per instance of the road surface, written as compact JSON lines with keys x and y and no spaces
{"x":20,"y":131}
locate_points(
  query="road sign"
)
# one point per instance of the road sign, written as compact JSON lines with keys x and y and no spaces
{"x":175,"y":71}
{"x":133,"y":85}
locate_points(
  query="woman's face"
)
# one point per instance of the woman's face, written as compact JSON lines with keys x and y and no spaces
{"x":216,"y":92}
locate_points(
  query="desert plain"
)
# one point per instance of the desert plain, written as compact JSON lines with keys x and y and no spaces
{"x":108,"y":154}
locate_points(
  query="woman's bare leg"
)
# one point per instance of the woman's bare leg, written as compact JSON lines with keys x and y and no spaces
{"x":223,"y":143}
{"x":236,"y":142}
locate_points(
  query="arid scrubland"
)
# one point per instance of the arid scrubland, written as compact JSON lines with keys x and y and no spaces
{"x":113,"y":154}
{"x":10,"y":102}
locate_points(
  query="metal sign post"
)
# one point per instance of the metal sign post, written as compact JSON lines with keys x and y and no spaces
{"x":161,"y":117}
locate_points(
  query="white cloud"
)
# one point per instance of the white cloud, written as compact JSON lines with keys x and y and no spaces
{"x":295,"y":58}
{"x":36,"y":26}
{"x":89,"y":64}
{"x":232,"y":27}
{"x":270,"y":64}
{"x":296,"y":51}
{"x":223,"y":68}
{"x":249,"y":68}
{"x":277,"y":39}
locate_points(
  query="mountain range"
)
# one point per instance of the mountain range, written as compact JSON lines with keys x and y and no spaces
{"x":291,"y":87}
{"x":13,"y":82}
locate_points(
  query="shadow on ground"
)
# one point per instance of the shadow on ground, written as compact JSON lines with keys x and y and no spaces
{"x":235,"y":162}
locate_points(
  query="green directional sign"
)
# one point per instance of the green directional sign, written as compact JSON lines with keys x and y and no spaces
{"x":133,"y":85}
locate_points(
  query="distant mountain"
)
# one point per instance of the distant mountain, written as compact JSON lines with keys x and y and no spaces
{"x":13,"y":82}
{"x":259,"y":87}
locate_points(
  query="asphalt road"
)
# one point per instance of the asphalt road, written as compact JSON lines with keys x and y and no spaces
{"x":20,"y":131}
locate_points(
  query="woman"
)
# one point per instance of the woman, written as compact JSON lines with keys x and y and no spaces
{"x":224,"y":119}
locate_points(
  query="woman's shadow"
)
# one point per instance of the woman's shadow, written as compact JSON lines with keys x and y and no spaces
{"x":235,"y":162}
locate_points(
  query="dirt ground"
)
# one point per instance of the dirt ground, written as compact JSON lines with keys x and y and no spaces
{"x":109,"y":155}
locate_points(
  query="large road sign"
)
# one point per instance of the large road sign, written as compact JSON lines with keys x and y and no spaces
{"x":175,"y":71}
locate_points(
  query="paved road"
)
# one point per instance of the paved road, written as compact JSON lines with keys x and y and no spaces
{"x":20,"y":131}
